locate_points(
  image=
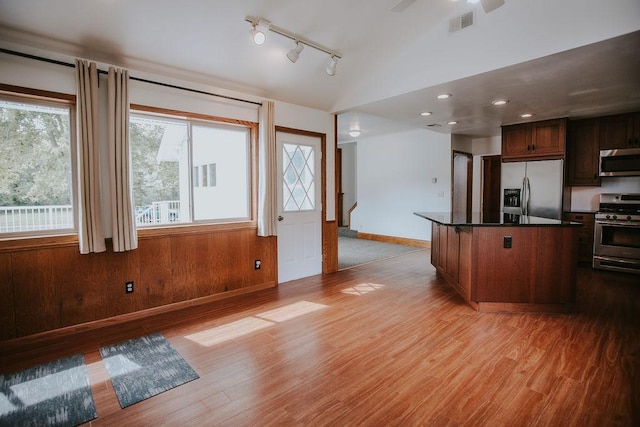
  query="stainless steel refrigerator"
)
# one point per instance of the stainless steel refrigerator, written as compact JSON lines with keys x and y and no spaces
{"x":532,"y":188}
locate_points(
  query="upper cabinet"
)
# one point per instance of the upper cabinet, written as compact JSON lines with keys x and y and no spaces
{"x":534,"y":141}
{"x":620,"y":131}
{"x":583,"y":151}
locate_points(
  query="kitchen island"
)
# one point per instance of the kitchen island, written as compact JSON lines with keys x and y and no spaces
{"x":512,"y":263}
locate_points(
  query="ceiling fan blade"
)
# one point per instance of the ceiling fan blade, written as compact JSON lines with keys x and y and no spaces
{"x":491,"y":5}
{"x":402,"y":5}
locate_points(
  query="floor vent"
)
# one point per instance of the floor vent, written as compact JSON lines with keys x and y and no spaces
{"x":460,"y":22}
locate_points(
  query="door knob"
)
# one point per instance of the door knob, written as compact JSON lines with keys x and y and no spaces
{"x":280,"y":217}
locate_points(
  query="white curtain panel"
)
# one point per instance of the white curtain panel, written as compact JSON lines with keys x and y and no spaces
{"x":267,"y":180}
{"x":123,"y":225}
{"x":90,"y":231}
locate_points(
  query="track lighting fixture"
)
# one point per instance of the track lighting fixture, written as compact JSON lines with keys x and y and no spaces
{"x":331,"y":66}
{"x":294,"y":53}
{"x":259,"y":32}
{"x":259,"y":36}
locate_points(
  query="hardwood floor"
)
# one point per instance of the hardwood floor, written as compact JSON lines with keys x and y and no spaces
{"x":388,"y":343}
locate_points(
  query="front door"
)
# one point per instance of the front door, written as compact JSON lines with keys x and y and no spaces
{"x":299,"y":206}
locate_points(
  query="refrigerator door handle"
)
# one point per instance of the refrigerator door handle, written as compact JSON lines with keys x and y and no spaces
{"x":528,"y":195}
{"x":523,"y":195}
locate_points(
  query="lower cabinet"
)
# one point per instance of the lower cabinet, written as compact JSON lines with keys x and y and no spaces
{"x":508,"y":268}
{"x":585,"y":234}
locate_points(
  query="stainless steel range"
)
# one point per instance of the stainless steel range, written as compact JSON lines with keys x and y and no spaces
{"x":616,"y":243}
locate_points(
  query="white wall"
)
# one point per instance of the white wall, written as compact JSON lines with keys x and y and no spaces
{"x":44,"y":76}
{"x":587,"y":198}
{"x":394,"y":179}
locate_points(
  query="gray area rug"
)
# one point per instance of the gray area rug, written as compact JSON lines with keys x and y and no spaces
{"x":51,"y":394}
{"x":352,"y":252}
{"x":144,"y":367}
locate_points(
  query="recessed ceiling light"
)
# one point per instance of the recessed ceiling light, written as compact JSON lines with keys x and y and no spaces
{"x":452,"y":122}
{"x":426,"y":113}
{"x":526,"y":115}
{"x":444,"y":96}
{"x":499,"y":102}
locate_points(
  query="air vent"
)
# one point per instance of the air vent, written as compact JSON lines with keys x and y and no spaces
{"x":434,"y":125}
{"x":460,"y":22}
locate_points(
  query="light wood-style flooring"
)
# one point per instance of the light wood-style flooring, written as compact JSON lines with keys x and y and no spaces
{"x":384,"y":344}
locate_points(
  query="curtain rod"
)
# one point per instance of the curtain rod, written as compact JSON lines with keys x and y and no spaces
{"x":68,"y":64}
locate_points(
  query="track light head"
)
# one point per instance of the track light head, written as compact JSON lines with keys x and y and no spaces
{"x":259,"y":32}
{"x":294,"y":53}
{"x":331,"y":66}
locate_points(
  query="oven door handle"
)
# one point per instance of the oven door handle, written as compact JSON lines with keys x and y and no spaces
{"x":619,"y":223}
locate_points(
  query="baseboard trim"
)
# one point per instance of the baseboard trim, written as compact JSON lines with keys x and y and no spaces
{"x":129,"y":317}
{"x":395,"y":240}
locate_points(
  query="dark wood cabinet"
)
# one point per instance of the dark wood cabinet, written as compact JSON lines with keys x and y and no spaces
{"x":536,"y":271}
{"x":516,"y":141}
{"x":620,"y":131}
{"x":583,"y":152}
{"x":534,"y":141}
{"x":585,"y":234}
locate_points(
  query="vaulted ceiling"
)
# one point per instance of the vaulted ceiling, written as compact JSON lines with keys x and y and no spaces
{"x":573,"y":58}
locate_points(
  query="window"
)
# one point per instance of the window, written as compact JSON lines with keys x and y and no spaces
{"x":36,"y":166}
{"x":187,"y":170}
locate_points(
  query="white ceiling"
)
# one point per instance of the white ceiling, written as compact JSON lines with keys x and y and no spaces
{"x":573,"y":58}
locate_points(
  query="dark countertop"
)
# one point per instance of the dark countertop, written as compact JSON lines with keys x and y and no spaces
{"x":497,"y":220}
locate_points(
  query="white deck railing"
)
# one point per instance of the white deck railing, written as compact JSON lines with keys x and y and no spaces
{"x":15,"y":219}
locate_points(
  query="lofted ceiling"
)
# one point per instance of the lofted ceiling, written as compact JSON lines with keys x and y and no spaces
{"x":574,"y":58}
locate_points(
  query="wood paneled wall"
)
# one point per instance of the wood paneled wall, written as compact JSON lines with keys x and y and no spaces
{"x":42,"y":289}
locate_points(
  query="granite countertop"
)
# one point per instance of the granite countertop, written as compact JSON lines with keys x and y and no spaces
{"x":496,"y":220}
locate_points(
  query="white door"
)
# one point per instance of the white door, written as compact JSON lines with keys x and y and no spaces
{"x":299,"y":206}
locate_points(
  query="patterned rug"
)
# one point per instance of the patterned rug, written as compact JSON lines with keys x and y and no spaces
{"x":52,"y":394}
{"x":144,"y":367}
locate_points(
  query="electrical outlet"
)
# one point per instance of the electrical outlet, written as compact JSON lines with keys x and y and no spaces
{"x":507,"y":242}
{"x":257,"y":263}
{"x":128,"y":287}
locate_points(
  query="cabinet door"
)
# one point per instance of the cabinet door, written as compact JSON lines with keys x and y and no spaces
{"x":435,"y":233}
{"x":633,"y":130}
{"x":442,"y":247}
{"x":583,"y":152}
{"x":614,"y":132}
{"x":453,"y":252}
{"x":549,"y":138}
{"x":465,"y":262}
{"x":516,"y":141}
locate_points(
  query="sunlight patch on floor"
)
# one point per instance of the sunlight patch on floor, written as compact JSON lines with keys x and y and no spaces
{"x":361,"y":289}
{"x":248,"y":325}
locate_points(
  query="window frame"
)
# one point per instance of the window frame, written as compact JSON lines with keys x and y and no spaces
{"x":58,"y":100}
{"x":206,"y":225}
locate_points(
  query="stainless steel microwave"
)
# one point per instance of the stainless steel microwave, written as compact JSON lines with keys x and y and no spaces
{"x":620,"y":162}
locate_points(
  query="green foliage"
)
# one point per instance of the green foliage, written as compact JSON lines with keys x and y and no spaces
{"x":152,"y":180}
{"x":35,"y":165}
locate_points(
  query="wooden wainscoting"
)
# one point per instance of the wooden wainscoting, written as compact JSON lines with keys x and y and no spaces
{"x":55,"y":287}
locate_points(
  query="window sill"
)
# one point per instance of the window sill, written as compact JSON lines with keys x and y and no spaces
{"x":41,"y":242}
{"x":32,"y":242}
{"x":151,"y":232}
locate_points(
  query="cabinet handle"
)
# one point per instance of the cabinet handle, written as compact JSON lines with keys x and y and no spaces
{"x":529,"y":147}
{"x":595,"y":176}
{"x":533,"y":147}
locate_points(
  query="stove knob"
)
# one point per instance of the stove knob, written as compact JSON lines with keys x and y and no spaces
{"x":628,"y":217}
{"x":608,"y":216}
{"x":615,"y":217}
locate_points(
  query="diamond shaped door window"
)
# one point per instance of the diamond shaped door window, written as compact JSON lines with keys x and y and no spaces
{"x":298,"y":183}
